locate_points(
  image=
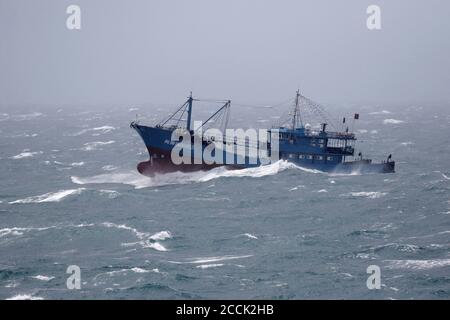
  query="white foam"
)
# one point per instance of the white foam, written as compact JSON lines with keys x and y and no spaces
{"x":162,"y":235}
{"x":297,"y":187}
{"x":89,"y":146}
{"x":418,"y":264}
{"x":147,"y":240}
{"x":211,"y":259}
{"x":140,"y":235}
{"x":28,"y":116}
{"x":139,"y":181}
{"x":17,"y":231}
{"x":43,"y":278}
{"x":322,"y":191}
{"x":257,"y":172}
{"x":12,"y":284}
{"x":154,"y":245}
{"x":102,"y":129}
{"x":109,"y":168}
{"x":25,"y":297}
{"x":26,"y":154}
{"x":73,"y":164}
{"x":370,"y":194}
{"x":50,"y":197}
{"x":207,"y":266}
{"x":445,"y":176}
{"x":407,"y":143}
{"x":251,"y":236}
{"x":392,"y":121}
{"x":380,"y":112}
{"x":121,"y":271}
{"x":129,"y":178}
{"x":111,"y":194}
{"x":139,"y":270}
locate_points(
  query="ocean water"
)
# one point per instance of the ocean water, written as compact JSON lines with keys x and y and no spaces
{"x":70,"y":195}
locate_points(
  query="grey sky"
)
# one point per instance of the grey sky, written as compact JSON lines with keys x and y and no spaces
{"x":135,"y":52}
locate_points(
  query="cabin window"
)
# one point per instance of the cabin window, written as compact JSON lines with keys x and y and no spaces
{"x":319,"y":158}
{"x":321,"y":145}
{"x":301,"y":156}
{"x":309,"y":157}
{"x":162,"y":156}
{"x":291,"y":156}
{"x":330,"y":158}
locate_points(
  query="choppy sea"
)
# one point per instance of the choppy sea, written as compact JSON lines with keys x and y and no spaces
{"x":70,"y":195}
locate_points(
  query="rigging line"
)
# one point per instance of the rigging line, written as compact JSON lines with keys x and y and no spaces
{"x":211,"y":100}
{"x":171,"y":116}
{"x":181,"y":116}
{"x":321,"y":111}
{"x":215,"y":113}
{"x":319,"y":107}
{"x":267,"y":106}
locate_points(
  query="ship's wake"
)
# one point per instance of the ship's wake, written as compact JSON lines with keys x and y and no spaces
{"x":139,"y":181}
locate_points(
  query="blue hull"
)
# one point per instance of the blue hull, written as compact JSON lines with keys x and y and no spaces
{"x":159,"y":146}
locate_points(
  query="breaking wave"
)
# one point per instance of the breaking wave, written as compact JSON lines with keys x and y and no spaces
{"x":129,"y":178}
{"x":380,"y":112}
{"x":25,"y":297}
{"x":145,"y":240}
{"x":99,"y":130}
{"x":256,"y":172}
{"x":370,"y":194}
{"x":26,"y":154}
{"x":392,"y":121}
{"x":17,"y":231}
{"x":418,"y":264}
{"x":43,"y":278}
{"x":206,"y":260}
{"x":50,"y":197}
{"x":139,"y":181}
{"x":73,"y":164}
{"x":125,"y":270}
{"x":212,"y":265}
{"x":89,"y":146}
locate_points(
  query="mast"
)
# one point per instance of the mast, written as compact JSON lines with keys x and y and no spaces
{"x":294,"y":119}
{"x":189,"y":111}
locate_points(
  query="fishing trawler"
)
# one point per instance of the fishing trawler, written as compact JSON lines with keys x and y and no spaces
{"x":295,"y":141}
